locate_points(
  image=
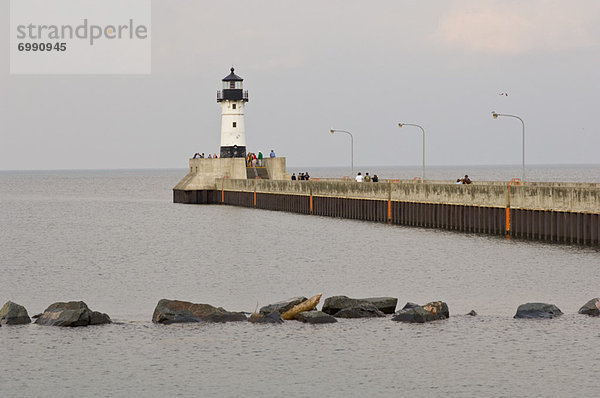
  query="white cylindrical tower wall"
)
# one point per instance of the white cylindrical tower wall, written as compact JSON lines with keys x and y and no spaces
{"x":233,"y":131}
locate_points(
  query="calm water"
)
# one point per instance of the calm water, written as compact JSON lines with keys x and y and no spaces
{"x":115,"y":240}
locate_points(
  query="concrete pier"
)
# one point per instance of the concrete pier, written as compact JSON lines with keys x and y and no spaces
{"x":556,"y":212}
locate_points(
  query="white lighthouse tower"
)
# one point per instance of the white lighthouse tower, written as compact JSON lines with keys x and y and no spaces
{"x":233,"y":99}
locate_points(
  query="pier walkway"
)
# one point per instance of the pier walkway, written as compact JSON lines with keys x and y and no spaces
{"x":555,"y":212}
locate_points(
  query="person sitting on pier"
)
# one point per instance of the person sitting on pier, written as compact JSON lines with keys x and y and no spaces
{"x":466,"y":180}
{"x":196,"y":155}
{"x":359,"y":177}
{"x":375,"y":178}
{"x":293,"y":176}
{"x":306,"y":176}
{"x":459,"y":181}
{"x":272,"y":154}
{"x":367,"y":177}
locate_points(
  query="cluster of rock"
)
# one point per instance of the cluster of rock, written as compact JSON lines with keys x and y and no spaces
{"x":297,"y":308}
{"x":73,"y":313}
{"x":77,"y":313}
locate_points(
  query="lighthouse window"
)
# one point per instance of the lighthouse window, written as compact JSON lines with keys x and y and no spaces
{"x":231,"y":84}
{"x":234,"y":124}
{"x":233,"y":106}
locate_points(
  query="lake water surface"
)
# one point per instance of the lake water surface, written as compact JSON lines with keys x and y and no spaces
{"x":115,"y":240}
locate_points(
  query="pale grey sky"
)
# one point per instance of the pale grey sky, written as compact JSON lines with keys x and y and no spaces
{"x":309,"y":66}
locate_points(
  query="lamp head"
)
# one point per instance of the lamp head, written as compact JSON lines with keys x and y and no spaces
{"x":494,"y":114}
{"x":400,"y":125}
{"x":331,"y":131}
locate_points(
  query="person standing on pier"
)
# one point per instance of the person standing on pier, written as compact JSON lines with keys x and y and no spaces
{"x":260,"y":158}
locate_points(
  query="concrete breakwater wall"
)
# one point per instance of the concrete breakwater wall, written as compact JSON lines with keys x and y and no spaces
{"x":559,"y":212}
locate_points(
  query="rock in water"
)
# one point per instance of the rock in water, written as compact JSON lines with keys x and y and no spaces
{"x":537,"y":310}
{"x":438,"y":309}
{"x":472,"y":313}
{"x":315,"y":317}
{"x":591,"y":308}
{"x":175,"y":311}
{"x":73,"y":313}
{"x":282,"y":306}
{"x":361,"y":311}
{"x":413,"y":313}
{"x":308,"y":305}
{"x":334,"y":304}
{"x":14,"y":314}
{"x":271,"y":317}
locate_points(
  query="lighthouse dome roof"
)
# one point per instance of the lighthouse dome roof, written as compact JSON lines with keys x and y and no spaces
{"x":232,"y":77}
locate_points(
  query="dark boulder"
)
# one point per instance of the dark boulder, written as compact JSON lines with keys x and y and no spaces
{"x":591,"y":308}
{"x":334,"y":304}
{"x":315,"y":317}
{"x":282,"y":306}
{"x":271,"y":317}
{"x":438,"y":309}
{"x":73,"y":313}
{"x":13,"y":314}
{"x":361,"y":311}
{"x":537,"y":310}
{"x":175,"y":311}
{"x":413,"y":313}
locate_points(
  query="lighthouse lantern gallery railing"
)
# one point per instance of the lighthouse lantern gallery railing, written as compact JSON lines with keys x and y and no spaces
{"x":220,"y":95}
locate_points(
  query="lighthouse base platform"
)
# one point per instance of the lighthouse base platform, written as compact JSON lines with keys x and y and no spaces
{"x":201,"y":178}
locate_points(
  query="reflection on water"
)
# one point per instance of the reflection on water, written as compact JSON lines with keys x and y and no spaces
{"x":115,"y":240}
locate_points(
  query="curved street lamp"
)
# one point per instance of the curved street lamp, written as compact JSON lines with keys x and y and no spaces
{"x":423,"y":131}
{"x":495,"y":115}
{"x":351,"y":147}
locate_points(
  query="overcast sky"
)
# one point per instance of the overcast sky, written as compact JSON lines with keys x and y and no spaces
{"x":309,"y":66}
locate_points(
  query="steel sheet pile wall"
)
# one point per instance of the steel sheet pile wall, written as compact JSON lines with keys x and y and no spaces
{"x":556,"y":212}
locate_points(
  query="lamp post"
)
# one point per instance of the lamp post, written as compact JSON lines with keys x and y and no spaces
{"x":495,"y":115}
{"x":423,"y":131}
{"x":351,"y":147}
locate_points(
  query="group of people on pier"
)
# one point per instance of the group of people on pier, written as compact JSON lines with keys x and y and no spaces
{"x":464,"y":180}
{"x":254,"y":160}
{"x":301,"y":176}
{"x":366,"y":178}
{"x":198,"y":155}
